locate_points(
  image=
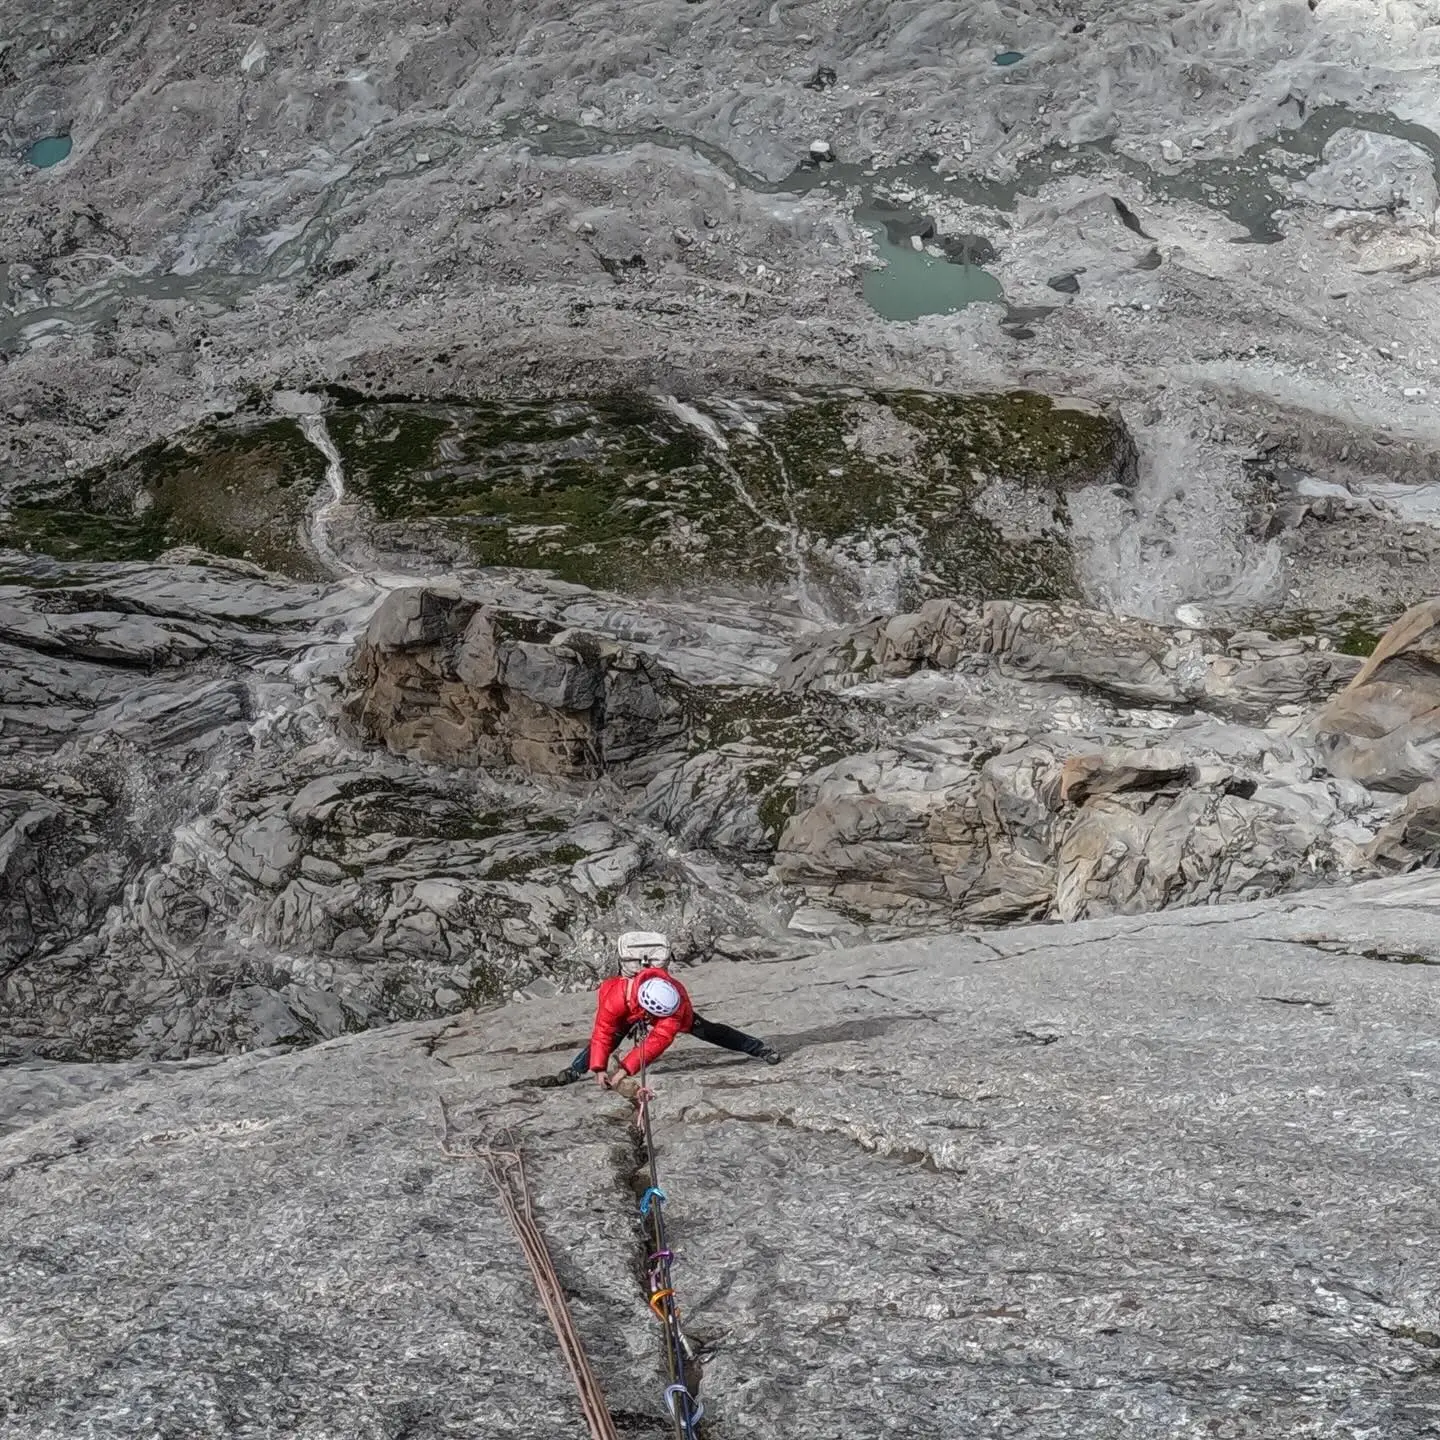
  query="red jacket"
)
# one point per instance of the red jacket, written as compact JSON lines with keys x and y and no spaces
{"x":617,"y":1009}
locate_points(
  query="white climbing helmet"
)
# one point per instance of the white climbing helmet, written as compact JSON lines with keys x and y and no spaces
{"x":658,"y":997}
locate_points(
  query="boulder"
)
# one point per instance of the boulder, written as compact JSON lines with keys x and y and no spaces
{"x":267,"y":851}
{"x":1083,"y":777}
{"x":1365,"y":170}
{"x":995,"y":839}
{"x":932,"y":637}
{"x":1124,"y":855}
{"x":1383,"y":729}
{"x":440,"y":679}
{"x":858,"y":834}
{"x":1411,"y":840}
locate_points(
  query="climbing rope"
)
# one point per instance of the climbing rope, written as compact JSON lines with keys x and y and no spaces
{"x":507,"y":1169}
{"x":682,"y":1404}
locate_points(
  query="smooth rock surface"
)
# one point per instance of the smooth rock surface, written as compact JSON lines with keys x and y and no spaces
{"x":1174,"y":1175}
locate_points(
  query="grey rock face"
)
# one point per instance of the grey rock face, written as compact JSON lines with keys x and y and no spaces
{"x":1053,"y":828}
{"x":1165,"y":1173}
{"x":1133,"y":661}
{"x":192,"y":860}
{"x":1042,"y":1182}
{"x":1005,"y":815}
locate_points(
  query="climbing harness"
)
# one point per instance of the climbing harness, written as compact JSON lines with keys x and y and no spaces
{"x":682,"y":1404}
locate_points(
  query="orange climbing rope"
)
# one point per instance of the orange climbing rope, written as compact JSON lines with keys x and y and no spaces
{"x":507,"y":1169}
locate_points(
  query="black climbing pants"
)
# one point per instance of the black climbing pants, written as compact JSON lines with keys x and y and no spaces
{"x":725,"y":1036}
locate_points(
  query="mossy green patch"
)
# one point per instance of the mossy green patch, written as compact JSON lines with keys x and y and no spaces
{"x":566,"y":855}
{"x":538,"y":485}
{"x":1357,"y":639}
{"x":238,"y":489}
{"x":807,"y":492}
{"x":770,"y":721}
{"x":404,"y":997}
{"x":1351,"y":632}
{"x":421,"y":817}
{"x":776,"y":737}
{"x":518,"y":867}
{"x":776,"y":807}
{"x":416,"y":812}
{"x":487,"y":987}
{"x":1428,"y":1338}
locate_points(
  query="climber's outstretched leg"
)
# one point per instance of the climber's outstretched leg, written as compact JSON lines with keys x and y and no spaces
{"x":728,"y":1038}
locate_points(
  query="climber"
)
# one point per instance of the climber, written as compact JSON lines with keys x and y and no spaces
{"x":644,"y":992}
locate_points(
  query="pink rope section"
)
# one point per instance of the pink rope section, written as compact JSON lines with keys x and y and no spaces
{"x":643,"y":1096}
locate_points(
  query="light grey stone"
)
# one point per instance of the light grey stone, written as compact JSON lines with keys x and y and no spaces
{"x":1012,"y":1098}
{"x":267,"y":851}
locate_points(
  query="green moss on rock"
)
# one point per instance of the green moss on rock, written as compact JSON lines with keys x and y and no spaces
{"x":1351,"y":632}
{"x":239,"y":489}
{"x":824,"y":495}
{"x":813,"y":492}
{"x":775,"y":737}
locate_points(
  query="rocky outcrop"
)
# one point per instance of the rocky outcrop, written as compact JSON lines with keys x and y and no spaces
{"x":1028,"y":808}
{"x":1245,"y":675}
{"x":1411,"y":840}
{"x":1052,"y":827}
{"x":1384,"y":728}
{"x":194,"y":859}
{"x":1186,"y":1154}
{"x":442,"y":680}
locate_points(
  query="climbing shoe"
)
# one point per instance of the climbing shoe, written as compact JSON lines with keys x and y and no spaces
{"x":568,"y":1076}
{"x":769,"y":1055}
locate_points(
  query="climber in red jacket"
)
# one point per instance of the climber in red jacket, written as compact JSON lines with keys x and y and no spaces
{"x":655,"y":997}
